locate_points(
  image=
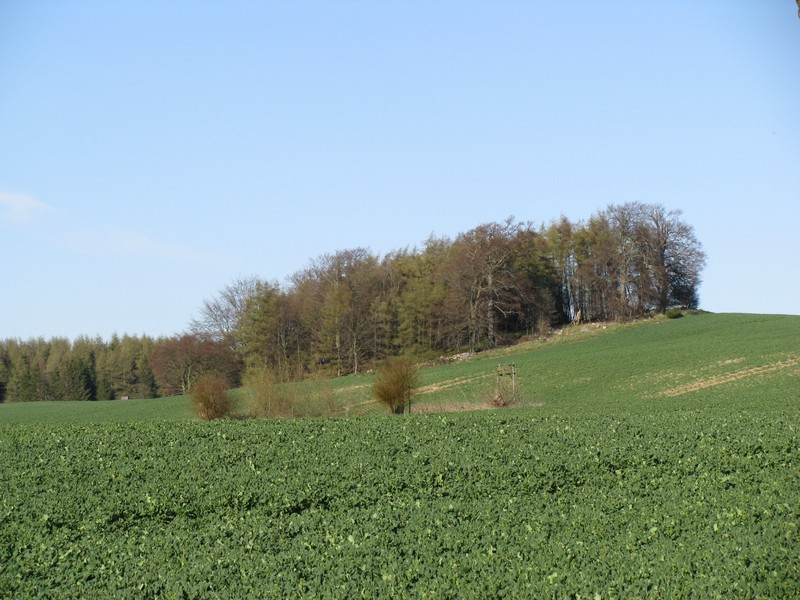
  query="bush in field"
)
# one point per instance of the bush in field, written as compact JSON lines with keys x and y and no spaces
{"x":674,"y":313}
{"x":395,"y":384}
{"x":505,"y":394}
{"x":270,"y":399}
{"x":211,"y":399}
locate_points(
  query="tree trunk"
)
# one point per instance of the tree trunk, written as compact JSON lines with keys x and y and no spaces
{"x":490,"y":316}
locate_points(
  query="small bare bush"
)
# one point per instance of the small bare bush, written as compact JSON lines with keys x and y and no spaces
{"x":211,"y":399}
{"x":506,"y":394}
{"x":268,"y":398}
{"x":395,"y":384}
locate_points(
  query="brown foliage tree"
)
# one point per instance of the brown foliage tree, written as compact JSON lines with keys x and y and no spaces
{"x":211,"y":399}
{"x":178,"y":362}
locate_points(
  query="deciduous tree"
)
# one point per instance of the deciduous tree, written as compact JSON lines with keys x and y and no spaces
{"x":221,"y":317}
{"x":178,"y":362}
{"x":481,"y":278}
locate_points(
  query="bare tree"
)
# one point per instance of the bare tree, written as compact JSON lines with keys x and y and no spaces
{"x":673,"y":257}
{"x":221,"y":317}
{"x":179,"y":361}
{"x":480,"y":272}
{"x":657,"y":258}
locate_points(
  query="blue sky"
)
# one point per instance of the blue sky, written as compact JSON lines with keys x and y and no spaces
{"x":152,"y":152}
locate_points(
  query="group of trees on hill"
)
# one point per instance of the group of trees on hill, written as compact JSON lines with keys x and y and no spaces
{"x":346,"y":310}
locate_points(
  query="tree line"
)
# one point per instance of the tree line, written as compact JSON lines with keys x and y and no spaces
{"x":345,"y":311}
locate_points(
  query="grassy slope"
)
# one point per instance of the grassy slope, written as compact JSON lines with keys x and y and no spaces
{"x":714,"y":360}
{"x":724,"y":360}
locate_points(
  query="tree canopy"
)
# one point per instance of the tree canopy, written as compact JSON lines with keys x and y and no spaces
{"x":487,"y":287}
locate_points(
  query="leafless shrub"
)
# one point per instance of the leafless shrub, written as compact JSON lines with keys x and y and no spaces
{"x":270,"y":399}
{"x":395,"y":384}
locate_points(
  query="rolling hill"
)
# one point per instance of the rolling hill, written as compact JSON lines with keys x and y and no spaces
{"x":725,"y":361}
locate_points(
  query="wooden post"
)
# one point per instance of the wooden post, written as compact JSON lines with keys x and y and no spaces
{"x":501,"y":372}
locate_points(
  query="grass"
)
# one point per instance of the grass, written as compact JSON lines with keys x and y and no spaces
{"x":175,"y":408}
{"x":641,"y":369}
{"x":726,"y":360}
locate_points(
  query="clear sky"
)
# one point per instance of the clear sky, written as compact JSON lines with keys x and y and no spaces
{"x":151,"y":152}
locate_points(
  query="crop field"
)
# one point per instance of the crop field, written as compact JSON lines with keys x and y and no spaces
{"x":658,"y":461}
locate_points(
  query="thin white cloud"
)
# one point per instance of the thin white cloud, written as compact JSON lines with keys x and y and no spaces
{"x":138,"y":245}
{"x":19,"y":209}
{"x":128,"y":245}
{"x":93,"y":240}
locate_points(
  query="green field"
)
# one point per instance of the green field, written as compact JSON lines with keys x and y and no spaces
{"x":655,"y":460}
{"x":727,"y":361}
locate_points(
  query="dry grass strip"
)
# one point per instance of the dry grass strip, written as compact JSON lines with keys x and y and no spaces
{"x":435,"y":387}
{"x":730,"y":377}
